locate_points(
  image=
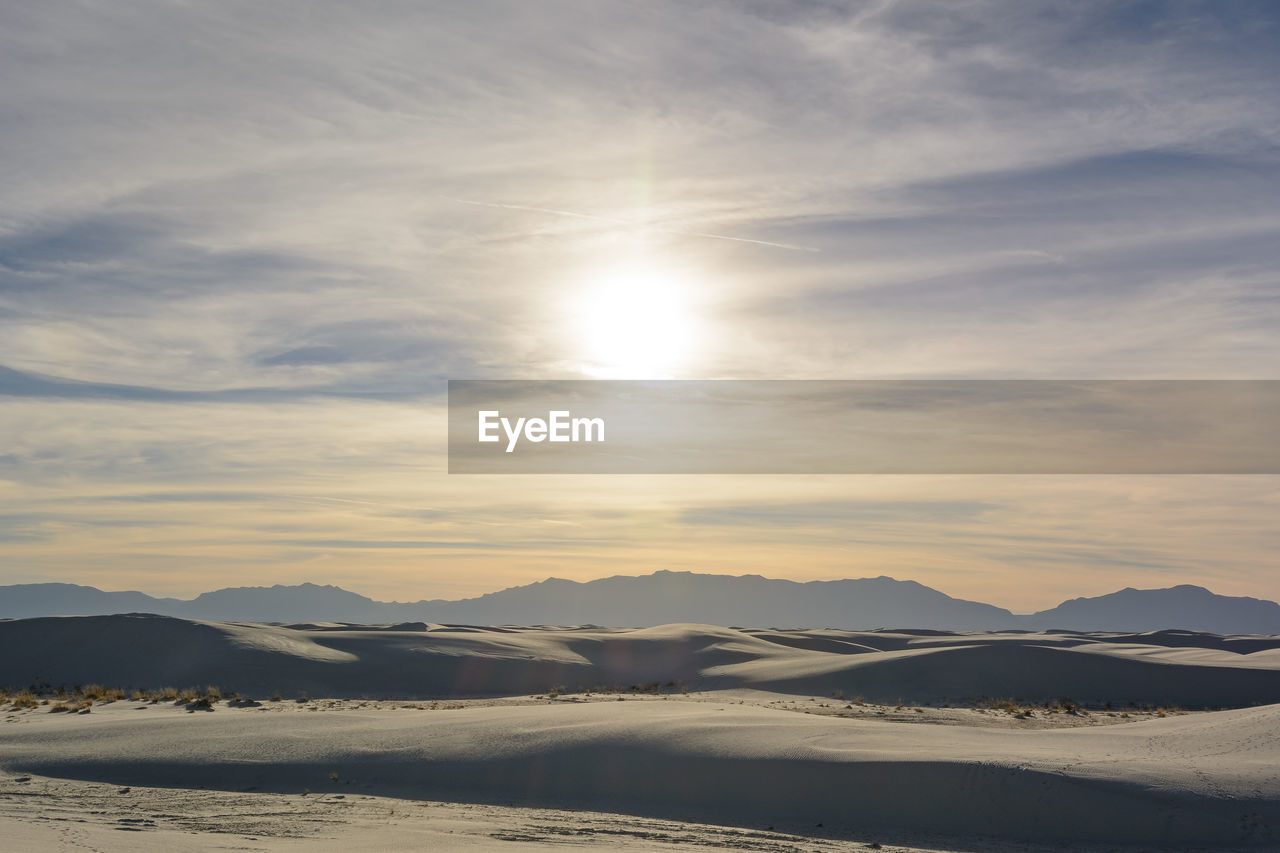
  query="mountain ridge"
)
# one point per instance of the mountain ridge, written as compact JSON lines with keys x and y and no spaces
{"x":666,"y":596}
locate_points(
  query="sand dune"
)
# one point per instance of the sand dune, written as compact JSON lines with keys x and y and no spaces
{"x":733,"y":752}
{"x":1199,"y":779}
{"x":426,"y":660}
{"x":58,"y":814}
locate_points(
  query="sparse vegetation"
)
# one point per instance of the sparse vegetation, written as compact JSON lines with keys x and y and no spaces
{"x":82,"y":698}
{"x":1036,"y":713}
{"x":25,"y":699}
{"x":100,"y":693}
{"x":651,"y":688}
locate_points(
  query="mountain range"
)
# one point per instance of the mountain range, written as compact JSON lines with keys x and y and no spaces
{"x":667,"y":597}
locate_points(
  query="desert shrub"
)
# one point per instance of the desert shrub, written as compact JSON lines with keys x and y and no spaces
{"x":25,"y":699}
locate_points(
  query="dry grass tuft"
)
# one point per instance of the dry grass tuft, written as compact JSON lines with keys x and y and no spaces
{"x":101,"y":694}
{"x":25,"y":699}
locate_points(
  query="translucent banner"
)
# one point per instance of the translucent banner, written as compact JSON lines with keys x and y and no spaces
{"x":864,"y":427}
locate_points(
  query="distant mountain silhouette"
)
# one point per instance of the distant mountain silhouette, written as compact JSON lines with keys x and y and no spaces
{"x":1193,"y":608}
{"x":68,"y":599}
{"x":304,"y":602}
{"x":748,"y":600}
{"x":666,"y":597}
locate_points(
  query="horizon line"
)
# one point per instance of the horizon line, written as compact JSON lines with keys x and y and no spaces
{"x":654,"y":573}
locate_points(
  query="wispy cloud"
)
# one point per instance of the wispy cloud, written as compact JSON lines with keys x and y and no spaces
{"x":241,"y":250}
{"x":632,"y":225}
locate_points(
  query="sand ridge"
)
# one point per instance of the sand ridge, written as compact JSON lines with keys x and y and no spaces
{"x":814,"y":733}
{"x":1205,"y":778}
{"x":434,"y":661}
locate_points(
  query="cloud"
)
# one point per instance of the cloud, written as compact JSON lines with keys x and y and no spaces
{"x":843,"y":514}
{"x":227,"y":261}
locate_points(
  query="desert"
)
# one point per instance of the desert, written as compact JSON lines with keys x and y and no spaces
{"x":811,"y":739}
{"x":938,"y":347}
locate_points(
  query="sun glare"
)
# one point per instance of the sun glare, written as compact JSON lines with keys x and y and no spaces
{"x":637,"y":323}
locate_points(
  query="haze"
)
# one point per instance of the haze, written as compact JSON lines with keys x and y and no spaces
{"x":242,"y":248}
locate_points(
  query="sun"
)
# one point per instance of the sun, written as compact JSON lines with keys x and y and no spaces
{"x":637,"y":322}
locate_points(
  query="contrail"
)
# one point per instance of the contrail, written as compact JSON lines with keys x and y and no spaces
{"x":613,"y":221}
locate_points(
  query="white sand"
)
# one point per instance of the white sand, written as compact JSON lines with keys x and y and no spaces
{"x":738,"y":755}
{"x":1210,"y":779}
{"x":153,"y":651}
{"x":53,"y":814}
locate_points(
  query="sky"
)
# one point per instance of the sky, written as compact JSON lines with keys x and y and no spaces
{"x":243,"y":246}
